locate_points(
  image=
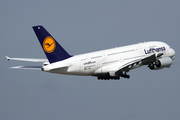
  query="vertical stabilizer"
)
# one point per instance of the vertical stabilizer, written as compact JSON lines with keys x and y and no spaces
{"x":53,"y":50}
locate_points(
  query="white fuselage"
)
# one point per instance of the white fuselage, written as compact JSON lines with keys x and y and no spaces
{"x":104,"y":61}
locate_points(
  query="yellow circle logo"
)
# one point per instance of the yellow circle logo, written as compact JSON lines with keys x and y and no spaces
{"x":49,"y":44}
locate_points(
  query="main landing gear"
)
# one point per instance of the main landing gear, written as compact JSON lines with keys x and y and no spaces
{"x":107,"y":77}
{"x":125,"y":75}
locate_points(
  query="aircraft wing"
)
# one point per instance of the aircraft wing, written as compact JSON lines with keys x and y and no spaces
{"x":137,"y":63}
{"x":116,"y":70}
{"x":133,"y":64}
{"x":27,"y":59}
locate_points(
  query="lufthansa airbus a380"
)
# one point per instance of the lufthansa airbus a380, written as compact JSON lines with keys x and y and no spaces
{"x":106,"y":64}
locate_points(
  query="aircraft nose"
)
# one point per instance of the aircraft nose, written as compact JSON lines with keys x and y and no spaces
{"x":173,"y":53}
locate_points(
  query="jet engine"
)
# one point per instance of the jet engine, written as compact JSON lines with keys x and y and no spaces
{"x":161,"y":63}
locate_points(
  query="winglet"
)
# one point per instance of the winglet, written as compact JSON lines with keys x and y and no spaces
{"x":8,"y":58}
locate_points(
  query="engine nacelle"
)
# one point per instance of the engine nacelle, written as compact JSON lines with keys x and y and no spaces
{"x":161,"y":63}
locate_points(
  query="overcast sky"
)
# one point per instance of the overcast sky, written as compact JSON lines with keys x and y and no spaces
{"x":82,"y":26}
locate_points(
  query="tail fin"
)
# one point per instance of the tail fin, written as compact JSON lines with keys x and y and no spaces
{"x":53,"y":50}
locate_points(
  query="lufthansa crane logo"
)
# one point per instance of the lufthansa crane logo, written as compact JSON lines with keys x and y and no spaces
{"x":49,"y":44}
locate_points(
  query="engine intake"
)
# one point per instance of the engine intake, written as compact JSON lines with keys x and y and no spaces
{"x":161,"y":63}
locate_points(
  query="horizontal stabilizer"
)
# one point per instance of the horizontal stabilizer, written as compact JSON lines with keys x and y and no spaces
{"x":27,"y":59}
{"x":28,"y":67}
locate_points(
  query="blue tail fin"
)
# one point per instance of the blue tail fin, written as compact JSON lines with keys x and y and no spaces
{"x":53,"y":50}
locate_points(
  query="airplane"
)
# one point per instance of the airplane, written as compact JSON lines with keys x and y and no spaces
{"x":105,"y":64}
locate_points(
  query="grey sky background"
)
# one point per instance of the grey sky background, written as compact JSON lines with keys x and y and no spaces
{"x":83,"y":26}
